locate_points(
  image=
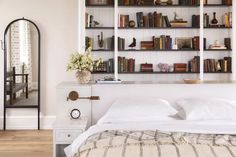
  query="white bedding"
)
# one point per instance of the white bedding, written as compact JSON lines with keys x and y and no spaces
{"x":207,"y":127}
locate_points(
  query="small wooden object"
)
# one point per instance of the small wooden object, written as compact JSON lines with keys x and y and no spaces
{"x":73,"y":96}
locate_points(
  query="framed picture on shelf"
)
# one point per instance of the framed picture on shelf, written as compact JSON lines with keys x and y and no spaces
{"x":184,"y":43}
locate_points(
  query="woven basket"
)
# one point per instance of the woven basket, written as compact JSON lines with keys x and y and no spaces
{"x":83,"y":76}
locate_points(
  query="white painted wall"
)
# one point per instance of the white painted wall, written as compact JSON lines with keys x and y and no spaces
{"x":57,"y":20}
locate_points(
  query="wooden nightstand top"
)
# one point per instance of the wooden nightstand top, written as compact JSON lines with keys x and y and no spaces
{"x":67,"y":123}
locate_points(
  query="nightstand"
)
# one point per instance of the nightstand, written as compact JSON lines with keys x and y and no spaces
{"x":65,"y":131}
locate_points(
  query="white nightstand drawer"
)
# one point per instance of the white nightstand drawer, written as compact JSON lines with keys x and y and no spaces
{"x":67,"y":135}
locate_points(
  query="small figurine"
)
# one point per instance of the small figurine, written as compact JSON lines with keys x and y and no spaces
{"x":214,"y":21}
{"x":140,"y":2}
{"x":157,"y":2}
{"x":100,"y":40}
{"x":95,"y":23}
{"x":133,"y":44}
{"x":132,"y":23}
{"x":176,"y":17}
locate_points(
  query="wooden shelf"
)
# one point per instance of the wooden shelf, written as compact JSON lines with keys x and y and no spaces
{"x":103,"y":73}
{"x":99,"y":28}
{"x":99,"y":6}
{"x":102,"y":50}
{"x":218,"y":72}
{"x":157,"y":72}
{"x":217,"y":5}
{"x":157,"y":50}
{"x":218,"y":50}
{"x":217,"y":27}
{"x":160,"y":6}
{"x":21,"y":106}
{"x":158,"y":28}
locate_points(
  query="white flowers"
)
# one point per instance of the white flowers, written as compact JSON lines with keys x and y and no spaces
{"x":83,"y":62}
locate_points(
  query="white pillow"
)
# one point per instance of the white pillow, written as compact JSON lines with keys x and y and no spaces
{"x":207,"y":109}
{"x":138,"y":110}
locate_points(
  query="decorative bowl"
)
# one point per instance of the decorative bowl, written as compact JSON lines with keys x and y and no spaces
{"x":192,"y":81}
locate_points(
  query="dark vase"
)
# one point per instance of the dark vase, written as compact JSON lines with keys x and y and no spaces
{"x":214,"y":21}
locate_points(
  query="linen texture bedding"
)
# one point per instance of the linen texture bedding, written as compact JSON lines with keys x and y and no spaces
{"x":123,"y":143}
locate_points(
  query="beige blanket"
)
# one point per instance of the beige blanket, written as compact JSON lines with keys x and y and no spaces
{"x":157,"y":144}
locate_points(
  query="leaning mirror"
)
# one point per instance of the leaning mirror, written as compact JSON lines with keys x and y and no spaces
{"x":22,"y":66}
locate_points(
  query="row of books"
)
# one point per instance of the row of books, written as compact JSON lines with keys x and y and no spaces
{"x":105,"y":66}
{"x":162,"y":43}
{"x":99,"y":2}
{"x":126,"y":64}
{"x":221,"y":65}
{"x":121,"y":43}
{"x":196,"y":43}
{"x":196,"y":21}
{"x":151,"y":2}
{"x":194,"y":64}
{"x":189,"y":2}
{"x":89,"y":20}
{"x":152,"y":20}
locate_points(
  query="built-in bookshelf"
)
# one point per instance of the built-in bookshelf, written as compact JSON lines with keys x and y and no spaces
{"x":109,"y":15}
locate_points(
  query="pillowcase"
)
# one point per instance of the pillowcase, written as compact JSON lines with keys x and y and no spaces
{"x":138,"y":110}
{"x":207,"y":109}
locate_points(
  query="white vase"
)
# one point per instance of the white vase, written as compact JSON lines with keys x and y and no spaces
{"x":83,"y":76}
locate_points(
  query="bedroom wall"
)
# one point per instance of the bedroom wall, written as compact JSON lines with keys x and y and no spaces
{"x":57,"y":20}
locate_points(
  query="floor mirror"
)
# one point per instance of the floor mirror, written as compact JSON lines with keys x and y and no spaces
{"x":21,"y":68}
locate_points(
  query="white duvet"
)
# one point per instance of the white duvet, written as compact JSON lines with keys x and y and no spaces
{"x":204,"y":127}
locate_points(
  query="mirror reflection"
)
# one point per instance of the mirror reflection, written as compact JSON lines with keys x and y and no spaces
{"x":22,"y":64}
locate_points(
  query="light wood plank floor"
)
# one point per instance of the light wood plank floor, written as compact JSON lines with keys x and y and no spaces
{"x":26,"y":143}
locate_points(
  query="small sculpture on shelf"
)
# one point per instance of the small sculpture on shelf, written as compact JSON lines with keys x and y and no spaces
{"x":217,"y":45}
{"x":164,"y":67}
{"x":100,"y":40}
{"x":133,"y":44}
{"x":95,"y":23}
{"x":176,"y":17}
{"x":214,"y":21}
{"x":157,"y":2}
{"x":132,"y":23}
{"x":140,"y":2}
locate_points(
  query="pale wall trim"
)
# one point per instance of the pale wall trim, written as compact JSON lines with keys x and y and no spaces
{"x":28,"y":122}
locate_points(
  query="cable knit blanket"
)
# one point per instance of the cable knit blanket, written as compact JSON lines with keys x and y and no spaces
{"x":120,"y":143}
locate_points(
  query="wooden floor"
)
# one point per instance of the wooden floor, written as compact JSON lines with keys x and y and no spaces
{"x":26,"y":144}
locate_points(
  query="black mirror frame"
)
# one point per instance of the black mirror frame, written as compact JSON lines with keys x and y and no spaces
{"x":5,"y":71}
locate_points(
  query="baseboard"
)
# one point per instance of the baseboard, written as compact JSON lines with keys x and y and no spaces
{"x":28,"y":122}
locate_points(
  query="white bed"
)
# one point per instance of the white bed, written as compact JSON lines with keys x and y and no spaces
{"x":183,"y":133}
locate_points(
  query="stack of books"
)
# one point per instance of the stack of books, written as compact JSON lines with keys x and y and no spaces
{"x":194,"y":64}
{"x":146,"y":67}
{"x":99,"y":2}
{"x":221,"y":65}
{"x":178,"y":23}
{"x":180,"y":67}
{"x":147,"y":45}
{"x":126,"y":65}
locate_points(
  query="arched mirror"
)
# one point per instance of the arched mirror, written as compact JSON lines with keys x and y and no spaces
{"x":22,"y":66}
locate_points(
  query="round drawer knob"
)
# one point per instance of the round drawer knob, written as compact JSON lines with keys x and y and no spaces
{"x":68,"y":135}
